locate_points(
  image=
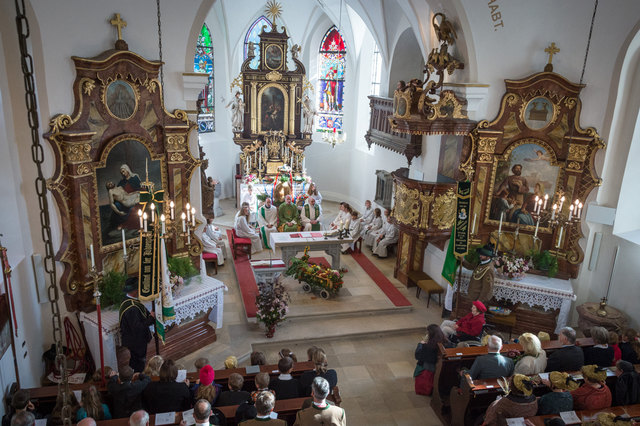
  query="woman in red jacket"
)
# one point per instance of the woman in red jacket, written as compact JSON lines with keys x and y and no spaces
{"x":469,"y":327}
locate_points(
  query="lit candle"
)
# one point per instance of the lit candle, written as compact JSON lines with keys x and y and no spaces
{"x":553,"y":212}
{"x":500,"y":227}
{"x":576,"y":202}
{"x":144,"y":218}
{"x":193,"y":216}
{"x":162,"y":221}
{"x":559,"y":237}
{"x":153,"y":213}
{"x":140,"y":216}
{"x":537,"y":198}
{"x":184,"y":227}
{"x":473,"y":225}
{"x":172,"y":210}
{"x":188,"y":212}
{"x":580,"y":210}
{"x":546,"y":198}
{"x":93,"y":260}
{"x":570,"y":211}
{"x":124,"y":244}
{"x":561,"y":203}
{"x":535,"y":235}
{"x":539,"y":205}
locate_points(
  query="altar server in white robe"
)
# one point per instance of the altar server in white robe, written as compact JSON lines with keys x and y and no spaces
{"x":250,"y":198}
{"x":209,"y":245}
{"x":267,"y":221}
{"x":355,"y":231}
{"x":313,"y":192}
{"x":343,"y":218}
{"x":367,"y":215}
{"x":373,"y":230}
{"x":244,"y":230}
{"x":389,"y":236}
{"x":215,"y":234}
{"x":310,"y":215}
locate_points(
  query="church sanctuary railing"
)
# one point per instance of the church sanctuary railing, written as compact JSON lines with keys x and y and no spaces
{"x":380,"y":132}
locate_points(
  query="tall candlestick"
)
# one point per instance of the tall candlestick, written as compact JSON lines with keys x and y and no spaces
{"x":146,"y":167}
{"x":140,"y":216}
{"x":153,"y":212}
{"x":570,"y":211}
{"x":162,"y":221}
{"x":546,"y":198}
{"x":500,"y":227}
{"x":559,"y":237}
{"x":553,"y":212}
{"x":561,"y":203}
{"x":193,"y":216}
{"x":124,"y":244}
{"x":144,"y":218}
{"x":535,"y":235}
{"x":580,"y":210}
{"x":93,"y":260}
{"x":172,"y":210}
{"x":184,"y":227}
{"x":188,"y":212}
{"x":473,"y":225}
{"x":539,"y":205}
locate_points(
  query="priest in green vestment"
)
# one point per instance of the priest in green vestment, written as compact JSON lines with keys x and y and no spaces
{"x":310,"y":215}
{"x":288,"y":216}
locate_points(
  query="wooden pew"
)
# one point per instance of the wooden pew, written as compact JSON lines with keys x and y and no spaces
{"x":452,"y":360}
{"x":473,"y":397}
{"x":586,"y":415}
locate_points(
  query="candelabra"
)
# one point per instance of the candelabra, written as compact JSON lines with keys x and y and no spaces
{"x":168,"y":228}
{"x":96,"y":277}
{"x":556,"y":217}
{"x":334,"y":138}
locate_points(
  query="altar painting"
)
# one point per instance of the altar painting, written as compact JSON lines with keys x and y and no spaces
{"x":273,"y":109}
{"x":528,"y":171}
{"x":451,"y":147}
{"x":118,"y":187}
{"x":121,"y":99}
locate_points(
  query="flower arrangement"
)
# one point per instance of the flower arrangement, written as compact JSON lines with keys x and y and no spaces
{"x":177,"y":284}
{"x":250,"y":179}
{"x":317,"y":276}
{"x":544,"y":261}
{"x":267,"y":179}
{"x":512,"y":267}
{"x":272,"y":304}
{"x":283,"y":178}
{"x":298,"y":179}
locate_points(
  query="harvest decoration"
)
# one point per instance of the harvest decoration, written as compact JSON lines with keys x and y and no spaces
{"x":272,"y":305}
{"x":328,"y":281}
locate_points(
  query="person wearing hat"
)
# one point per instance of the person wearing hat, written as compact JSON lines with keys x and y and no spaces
{"x":469,"y":327}
{"x":627,"y":391}
{"x":206,"y":388}
{"x":559,"y":399}
{"x":483,"y":276}
{"x":594,"y":394}
{"x":519,"y":402}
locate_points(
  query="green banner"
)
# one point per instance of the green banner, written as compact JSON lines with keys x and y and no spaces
{"x":461,"y":229}
{"x":148,"y":267}
{"x":450,"y":262}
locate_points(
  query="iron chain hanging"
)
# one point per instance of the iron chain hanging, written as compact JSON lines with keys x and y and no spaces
{"x":37,"y":155}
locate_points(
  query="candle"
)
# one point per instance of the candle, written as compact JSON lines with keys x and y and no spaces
{"x":580,"y":210}
{"x":546,"y":198}
{"x":553,"y":212}
{"x":559,"y":237}
{"x":124,"y":244}
{"x":144,"y":218}
{"x":535,"y":235}
{"x":162,"y":221}
{"x":153,"y":213}
{"x":304,"y":161}
{"x":539,"y":205}
{"x":570,"y":211}
{"x":500,"y":227}
{"x":146,"y":167}
{"x":561,"y":203}
{"x":184,"y":228}
{"x":93,"y":260}
{"x":172,"y":210}
{"x":193,"y":216}
{"x":188,"y":239}
{"x":188,"y":212}
{"x":140,"y":216}
{"x":576,"y":202}
{"x":473,"y":225}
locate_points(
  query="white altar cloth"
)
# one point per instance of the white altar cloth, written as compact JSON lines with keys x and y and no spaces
{"x":315,"y":240}
{"x":199,"y":295}
{"x":533,"y":290}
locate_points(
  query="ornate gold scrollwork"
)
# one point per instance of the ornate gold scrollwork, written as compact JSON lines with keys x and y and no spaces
{"x":176,"y":143}
{"x":274,"y":76}
{"x":444,"y":210}
{"x":485,"y":158}
{"x":426,"y":201}
{"x":487,"y":145}
{"x":181,"y":115}
{"x":151,"y":85}
{"x":77,"y":153}
{"x":59,"y":122}
{"x":574,"y":165}
{"x":407,"y":206}
{"x":511,"y":100}
{"x":577,"y":152}
{"x":88,"y":85}
{"x":83,"y":169}
{"x":175,"y":157}
{"x":570,"y":102}
{"x":447,"y":107}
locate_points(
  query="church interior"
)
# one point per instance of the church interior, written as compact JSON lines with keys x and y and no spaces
{"x":495,"y":135}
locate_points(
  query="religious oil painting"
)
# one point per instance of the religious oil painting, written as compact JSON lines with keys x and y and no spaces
{"x":121,"y":99}
{"x":119,"y":184}
{"x":538,"y":113}
{"x":272,"y":110}
{"x":451,"y":147}
{"x":526,"y":173}
{"x":273,"y":56}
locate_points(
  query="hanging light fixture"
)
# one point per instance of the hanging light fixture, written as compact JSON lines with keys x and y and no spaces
{"x":335,"y":138}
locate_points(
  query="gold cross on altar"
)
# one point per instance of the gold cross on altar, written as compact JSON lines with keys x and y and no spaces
{"x":551,"y":50}
{"x":119,"y":24}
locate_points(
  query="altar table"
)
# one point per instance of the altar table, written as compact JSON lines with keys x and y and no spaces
{"x":533,"y":290}
{"x":200,"y":294}
{"x":293,"y":242}
{"x":267,"y":270}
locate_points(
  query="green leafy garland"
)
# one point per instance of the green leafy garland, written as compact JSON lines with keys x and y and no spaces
{"x":315,"y":275}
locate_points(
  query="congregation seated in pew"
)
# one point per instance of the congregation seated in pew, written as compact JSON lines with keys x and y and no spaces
{"x":520,"y":402}
{"x":601,"y":353}
{"x":535,"y":359}
{"x":569,"y":357}
{"x":493,"y":364}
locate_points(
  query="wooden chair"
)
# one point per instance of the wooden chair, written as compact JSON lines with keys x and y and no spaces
{"x":357,"y":246}
{"x":240,"y":245}
{"x":414,"y":276}
{"x":211,"y":258}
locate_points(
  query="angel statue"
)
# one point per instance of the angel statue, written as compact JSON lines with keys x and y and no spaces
{"x":237,"y":112}
{"x":295,"y":51}
{"x":309,"y":113}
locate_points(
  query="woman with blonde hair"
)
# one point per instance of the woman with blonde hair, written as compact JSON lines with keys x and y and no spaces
{"x":92,"y":406}
{"x":153,"y":366}
{"x":313,"y":192}
{"x":534,"y":360}
{"x":321,"y":369}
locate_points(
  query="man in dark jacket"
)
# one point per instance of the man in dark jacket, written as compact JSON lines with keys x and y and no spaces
{"x":125,"y":392}
{"x":569,"y":357}
{"x":135,"y":320}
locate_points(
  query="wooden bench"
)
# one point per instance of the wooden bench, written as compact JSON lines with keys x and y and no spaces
{"x":431,"y":287}
{"x":452,"y":360}
{"x":502,"y":322}
{"x":587,"y":415}
{"x":211,"y":258}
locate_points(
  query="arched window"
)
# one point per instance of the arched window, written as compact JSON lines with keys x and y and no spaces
{"x":331,"y":68}
{"x":203,"y":63}
{"x":253,"y":35}
{"x":376,"y":72}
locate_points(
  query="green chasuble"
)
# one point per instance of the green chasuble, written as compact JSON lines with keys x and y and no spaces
{"x":315,"y":227}
{"x":288,"y":213}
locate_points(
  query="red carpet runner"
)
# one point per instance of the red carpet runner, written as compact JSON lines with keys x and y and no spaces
{"x":246,"y":281}
{"x":383,"y":282}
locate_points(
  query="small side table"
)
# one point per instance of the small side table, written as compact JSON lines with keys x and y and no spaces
{"x":614,"y":321}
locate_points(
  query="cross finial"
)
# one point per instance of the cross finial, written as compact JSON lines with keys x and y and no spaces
{"x":119,"y":24}
{"x":551,"y":50}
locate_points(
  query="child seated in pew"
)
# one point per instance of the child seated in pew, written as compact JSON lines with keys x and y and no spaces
{"x":559,"y":399}
{"x":235,"y":395}
{"x":284,"y":352}
{"x":91,"y":406}
{"x":205,"y":387}
{"x":630,"y":346}
{"x":285,"y":386}
{"x":153,"y":366}
{"x":520,"y":402}
{"x":627,"y":390}
{"x":262,"y":385}
{"x":594,"y":394}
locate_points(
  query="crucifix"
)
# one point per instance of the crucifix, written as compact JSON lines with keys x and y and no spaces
{"x":551,"y":50}
{"x":119,"y":24}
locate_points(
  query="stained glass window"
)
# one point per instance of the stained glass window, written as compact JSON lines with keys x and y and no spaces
{"x":203,"y":63}
{"x":253,"y":35}
{"x":331,"y":68}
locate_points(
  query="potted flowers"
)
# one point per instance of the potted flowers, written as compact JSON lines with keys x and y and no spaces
{"x":511,"y":267}
{"x":272,"y":305}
